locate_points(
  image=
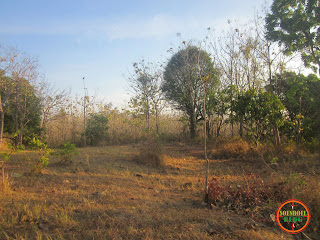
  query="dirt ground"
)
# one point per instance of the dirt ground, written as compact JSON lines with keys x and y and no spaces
{"x":105,"y":194}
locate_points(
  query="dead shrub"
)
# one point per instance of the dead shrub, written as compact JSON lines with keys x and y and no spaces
{"x":233,"y":148}
{"x":6,"y":142}
{"x":258,"y":197}
{"x":150,"y":153}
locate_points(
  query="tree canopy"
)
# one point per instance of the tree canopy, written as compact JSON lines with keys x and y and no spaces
{"x":300,"y":96}
{"x":295,"y":24}
{"x":183,"y":84}
{"x":22,"y":108}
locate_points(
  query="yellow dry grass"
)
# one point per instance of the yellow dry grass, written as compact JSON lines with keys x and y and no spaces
{"x":105,"y":194}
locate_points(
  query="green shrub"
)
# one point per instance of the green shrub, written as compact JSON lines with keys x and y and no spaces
{"x":67,"y":151}
{"x":312,"y":145}
{"x":43,"y":161}
{"x":36,"y":144}
{"x":41,"y":147}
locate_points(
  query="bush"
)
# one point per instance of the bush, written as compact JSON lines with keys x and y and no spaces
{"x":259,"y":197}
{"x":97,"y":129}
{"x":233,"y":148}
{"x":43,"y":161}
{"x":67,"y":151}
{"x":150,"y":153}
{"x":311,"y":146}
{"x":249,"y":193}
{"x":36,"y":144}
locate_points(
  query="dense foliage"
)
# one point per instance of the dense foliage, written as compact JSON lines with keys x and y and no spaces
{"x":258,"y":111}
{"x":296,"y":25}
{"x":22,"y":108}
{"x":183,"y":82}
{"x":300,"y":96}
{"x":97,"y":129}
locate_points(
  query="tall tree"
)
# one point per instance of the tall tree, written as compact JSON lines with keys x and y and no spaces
{"x":52,"y":99}
{"x":300,"y":95}
{"x":182,"y":82}
{"x":295,"y":24}
{"x":273,"y":62}
{"x":7,"y":57}
{"x":21,"y":72}
{"x":260,"y":111}
{"x":22,"y":108}
{"x":228,"y":54}
{"x":2,"y":86}
{"x":145,"y":83}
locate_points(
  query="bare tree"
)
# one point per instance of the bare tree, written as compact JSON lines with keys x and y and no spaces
{"x":247,"y":60}
{"x":145,"y":84}
{"x":52,"y":100}
{"x":204,"y":84}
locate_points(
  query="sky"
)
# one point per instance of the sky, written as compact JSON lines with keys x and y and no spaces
{"x":99,"y":40}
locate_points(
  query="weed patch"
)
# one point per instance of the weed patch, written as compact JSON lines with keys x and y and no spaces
{"x":258,"y":197}
{"x":150,"y":153}
{"x":235,"y":148}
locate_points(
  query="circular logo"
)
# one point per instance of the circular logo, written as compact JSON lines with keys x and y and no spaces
{"x":293,"y":216}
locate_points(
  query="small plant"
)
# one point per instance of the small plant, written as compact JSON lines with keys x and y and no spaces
{"x":214,"y":190}
{"x":41,"y":147}
{"x":42,"y":163}
{"x":295,"y":184}
{"x":67,"y":151}
{"x":36,"y":144}
{"x":4,"y":157}
{"x":274,"y":160}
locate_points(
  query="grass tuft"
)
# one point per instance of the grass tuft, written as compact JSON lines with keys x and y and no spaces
{"x":150,"y":153}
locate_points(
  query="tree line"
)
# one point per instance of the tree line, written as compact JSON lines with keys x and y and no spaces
{"x":240,"y":80}
{"x":32,"y":108}
{"x":245,"y":78}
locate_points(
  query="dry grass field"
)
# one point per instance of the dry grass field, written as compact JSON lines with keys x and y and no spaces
{"x":105,"y":194}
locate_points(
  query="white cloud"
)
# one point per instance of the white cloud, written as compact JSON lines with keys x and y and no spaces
{"x":130,"y":28}
{"x":155,"y":27}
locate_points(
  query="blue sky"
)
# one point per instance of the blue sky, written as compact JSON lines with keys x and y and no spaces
{"x":101,"y":39}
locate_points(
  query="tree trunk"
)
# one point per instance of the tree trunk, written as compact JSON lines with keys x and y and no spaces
{"x":192,"y":125}
{"x":241,"y":128}
{"x":1,"y":120}
{"x":148,"y":117}
{"x":231,"y":114}
{"x":157,"y":122}
{"x":16,"y":128}
{"x":319,"y":126}
{"x":206,"y":197}
{"x":208,"y":129}
{"x":276,"y":136}
{"x":20,"y":135}
{"x":16,"y":124}
{"x":219,"y":124}
{"x":319,"y":119}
